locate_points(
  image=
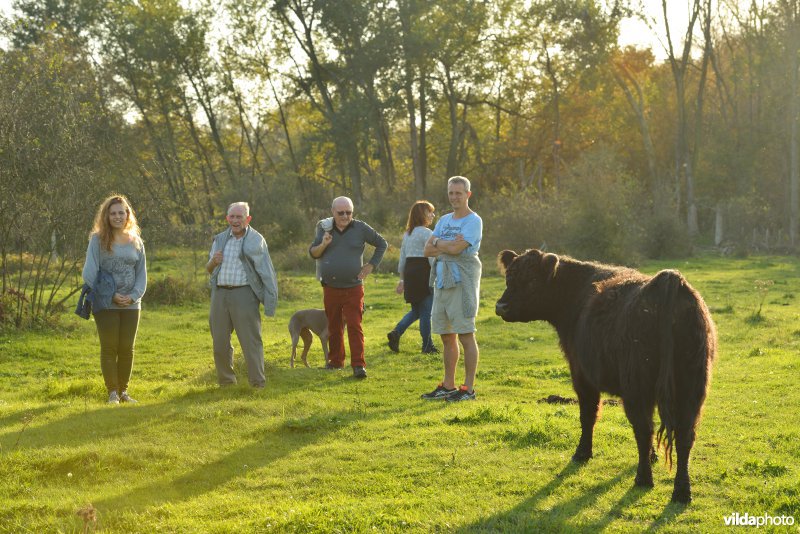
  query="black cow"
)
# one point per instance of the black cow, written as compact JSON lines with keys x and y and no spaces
{"x":649,"y":340}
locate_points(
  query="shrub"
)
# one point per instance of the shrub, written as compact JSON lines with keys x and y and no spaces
{"x":747,"y":220}
{"x":279,"y":215}
{"x":600,"y":213}
{"x":293,"y":258}
{"x":664,"y":236}
{"x":8,"y":305}
{"x":174,"y":291}
{"x":517,"y":220}
{"x":600,"y":205}
{"x":290,"y":289}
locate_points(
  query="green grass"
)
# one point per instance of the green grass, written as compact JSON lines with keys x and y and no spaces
{"x":317,"y":451}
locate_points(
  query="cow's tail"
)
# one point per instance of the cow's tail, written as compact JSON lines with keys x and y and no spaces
{"x":668,"y":284}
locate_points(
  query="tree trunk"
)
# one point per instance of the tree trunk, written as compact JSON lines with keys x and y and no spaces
{"x":794,"y":165}
{"x":165,"y":150}
{"x":423,"y":128}
{"x":556,"y":118}
{"x":452,"y":108}
{"x":691,"y":222}
{"x":462,"y":137}
{"x":406,"y":25}
{"x":289,"y":145}
{"x":381,"y":136}
{"x":637,"y":107}
{"x":683,"y":162}
{"x":408,"y":88}
{"x":344,"y":134}
{"x":201,"y":91}
{"x":719,"y":221}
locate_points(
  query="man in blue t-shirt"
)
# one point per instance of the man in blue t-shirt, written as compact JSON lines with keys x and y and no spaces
{"x":455,"y":243}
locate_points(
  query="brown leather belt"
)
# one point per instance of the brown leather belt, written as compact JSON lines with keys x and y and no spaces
{"x":229,"y":287}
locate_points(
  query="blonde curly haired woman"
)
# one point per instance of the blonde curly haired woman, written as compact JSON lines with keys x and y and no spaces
{"x":116,"y":247}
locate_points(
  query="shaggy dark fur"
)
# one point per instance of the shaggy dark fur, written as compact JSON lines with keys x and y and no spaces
{"x":649,"y":340}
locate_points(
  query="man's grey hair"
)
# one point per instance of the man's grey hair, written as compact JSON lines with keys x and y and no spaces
{"x":244,"y":205}
{"x":341,"y":199}
{"x":459,"y":180}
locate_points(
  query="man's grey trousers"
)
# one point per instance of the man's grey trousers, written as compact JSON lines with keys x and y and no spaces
{"x":237,"y":309}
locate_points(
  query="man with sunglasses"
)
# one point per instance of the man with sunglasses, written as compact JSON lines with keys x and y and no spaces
{"x":339,"y":247}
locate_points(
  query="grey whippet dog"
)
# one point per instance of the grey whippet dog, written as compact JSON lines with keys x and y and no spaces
{"x":301,"y":325}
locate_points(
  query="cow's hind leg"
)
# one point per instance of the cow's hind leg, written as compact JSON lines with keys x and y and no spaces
{"x":690,"y":385}
{"x":589,"y":402}
{"x":640,"y":415}
{"x":682,"y":491}
{"x":685,"y":424}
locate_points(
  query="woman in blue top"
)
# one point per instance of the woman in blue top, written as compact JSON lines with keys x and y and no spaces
{"x":414,"y":271}
{"x":116,"y":247}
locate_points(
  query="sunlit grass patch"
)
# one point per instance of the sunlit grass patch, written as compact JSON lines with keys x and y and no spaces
{"x":318,"y":451}
{"x":548,"y":433}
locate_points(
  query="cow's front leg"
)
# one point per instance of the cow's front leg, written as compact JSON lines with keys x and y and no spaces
{"x":589,"y":401}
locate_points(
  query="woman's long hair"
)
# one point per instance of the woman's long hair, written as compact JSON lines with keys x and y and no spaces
{"x":102,"y":227}
{"x":418,"y":215}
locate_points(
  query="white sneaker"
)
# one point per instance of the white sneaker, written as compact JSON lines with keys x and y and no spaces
{"x":124,"y":397}
{"x":113,"y":398}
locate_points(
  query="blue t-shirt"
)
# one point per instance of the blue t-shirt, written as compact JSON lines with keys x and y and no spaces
{"x":471,"y":227}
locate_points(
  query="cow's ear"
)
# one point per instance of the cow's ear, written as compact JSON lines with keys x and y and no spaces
{"x":550,"y":265}
{"x":504,"y":259}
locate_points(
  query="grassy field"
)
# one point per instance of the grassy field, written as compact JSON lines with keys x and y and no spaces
{"x":318,"y":451}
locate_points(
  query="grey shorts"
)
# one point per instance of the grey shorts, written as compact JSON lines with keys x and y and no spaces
{"x":447,"y":316}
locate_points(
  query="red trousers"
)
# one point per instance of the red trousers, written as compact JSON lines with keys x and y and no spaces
{"x":347,"y":304}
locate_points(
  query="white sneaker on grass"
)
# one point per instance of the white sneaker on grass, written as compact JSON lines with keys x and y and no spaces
{"x":124,"y":397}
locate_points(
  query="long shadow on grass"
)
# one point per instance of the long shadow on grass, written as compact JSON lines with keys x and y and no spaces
{"x":629,"y":499}
{"x":266,"y":443}
{"x":101,"y":422}
{"x":269,"y":446}
{"x":104,"y":422}
{"x":502,"y":522}
{"x":670,"y":512}
{"x":529,"y":516}
{"x":19,"y":416}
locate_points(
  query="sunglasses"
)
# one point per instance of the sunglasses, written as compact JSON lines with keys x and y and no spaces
{"x":342,"y":213}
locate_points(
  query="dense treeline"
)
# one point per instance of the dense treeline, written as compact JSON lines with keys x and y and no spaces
{"x":570,"y":140}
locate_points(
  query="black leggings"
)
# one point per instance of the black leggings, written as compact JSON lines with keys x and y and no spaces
{"x":117,"y":332}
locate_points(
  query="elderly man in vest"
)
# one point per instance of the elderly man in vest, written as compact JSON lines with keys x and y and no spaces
{"x":242,"y":276}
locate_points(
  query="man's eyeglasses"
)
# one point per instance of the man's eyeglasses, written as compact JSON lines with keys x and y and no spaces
{"x":342,"y":213}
